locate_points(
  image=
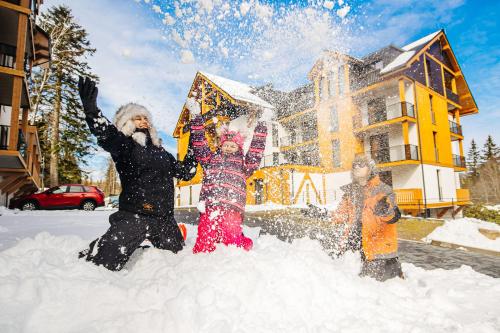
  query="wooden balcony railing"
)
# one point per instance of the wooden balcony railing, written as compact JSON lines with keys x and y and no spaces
{"x":409,"y":198}
{"x":28,"y":147}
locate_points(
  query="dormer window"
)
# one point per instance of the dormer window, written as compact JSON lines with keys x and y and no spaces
{"x":379,"y":65}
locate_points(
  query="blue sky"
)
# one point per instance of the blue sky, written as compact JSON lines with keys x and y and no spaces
{"x":149,"y":51}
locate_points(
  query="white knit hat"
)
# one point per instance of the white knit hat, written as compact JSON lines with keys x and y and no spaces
{"x":124,"y":121}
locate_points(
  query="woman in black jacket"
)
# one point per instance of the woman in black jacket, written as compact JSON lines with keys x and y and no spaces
{"x":146,"y":173}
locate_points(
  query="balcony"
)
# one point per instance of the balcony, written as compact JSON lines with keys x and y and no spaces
{"x":26,"y":158}
{"x":409,"y":198}
{"x":292,"y":140}
{"x":455,"y":128}
{"x":385,"y":113}
{"x":452,"y":96}
{"x":459,"y":161}
{"x":4,"y":140}
{"x":395,"y":154}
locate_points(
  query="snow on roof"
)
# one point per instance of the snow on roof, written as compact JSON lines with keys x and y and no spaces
{"x":410,"y":51}
{"x":421,"y":41}
{"x":237,"y":90}
{"x":399,"y":61}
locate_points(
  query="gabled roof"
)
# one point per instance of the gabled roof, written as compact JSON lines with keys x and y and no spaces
{"x":238,"y":90}
{"x":409,"y":51}
{"x":239,"y":94}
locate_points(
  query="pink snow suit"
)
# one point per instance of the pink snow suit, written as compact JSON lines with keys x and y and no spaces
{"x":224,"y":188}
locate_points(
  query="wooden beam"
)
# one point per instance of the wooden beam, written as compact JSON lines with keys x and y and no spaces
{"x":17,"y":86}
{"x":11,"y":71}
{"x":14,"y":186}
{"x":17,"y":8}
{"x":8,"y":180}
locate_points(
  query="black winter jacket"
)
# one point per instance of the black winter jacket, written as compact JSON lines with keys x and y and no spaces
{"x":146,"y":172}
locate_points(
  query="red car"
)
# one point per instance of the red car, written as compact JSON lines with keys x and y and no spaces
{"x":62,"y":197}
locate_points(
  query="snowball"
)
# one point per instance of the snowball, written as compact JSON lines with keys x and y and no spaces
{"x":168,"y":20}
{"x":342,"y":12}
{"x":187,"y":57}
{"x":328,"y":4}
{"x":244,"y":8}
{"x":157,"y":9}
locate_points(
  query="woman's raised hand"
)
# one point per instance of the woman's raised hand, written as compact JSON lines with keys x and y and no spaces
{"x":88,"y":94}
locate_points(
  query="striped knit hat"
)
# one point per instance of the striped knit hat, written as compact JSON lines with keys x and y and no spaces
{"x":233,"y":136}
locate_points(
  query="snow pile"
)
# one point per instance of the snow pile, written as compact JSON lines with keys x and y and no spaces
{"x":277,"y":287}
{"x":465,"y":232}
{"x":494,"y":207}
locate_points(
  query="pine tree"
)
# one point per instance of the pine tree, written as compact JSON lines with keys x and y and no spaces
{"x":473,"y":158}
{"x":111,"y":181}
{"x":490,"y":150}
{"x":64,"y":137}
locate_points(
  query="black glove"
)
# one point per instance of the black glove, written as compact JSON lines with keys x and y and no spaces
{"x":88,"y":95}
{"x":382,"y":207}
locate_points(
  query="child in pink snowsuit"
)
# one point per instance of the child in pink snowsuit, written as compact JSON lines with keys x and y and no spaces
{"x":224,"y":185}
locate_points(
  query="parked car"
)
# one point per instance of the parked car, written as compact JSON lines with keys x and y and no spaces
{"x":69,"y":196}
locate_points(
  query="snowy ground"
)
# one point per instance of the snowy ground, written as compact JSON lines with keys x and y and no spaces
{"x":277,"y":287}
{"x":465,"y":232}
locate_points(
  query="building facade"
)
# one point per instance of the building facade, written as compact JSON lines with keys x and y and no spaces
{"x":23,"y":45}
{"x":401,"y":106}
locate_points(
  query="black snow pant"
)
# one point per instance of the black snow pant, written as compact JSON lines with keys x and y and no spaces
{"x":127,"y":231}
{"x":382,"y":269}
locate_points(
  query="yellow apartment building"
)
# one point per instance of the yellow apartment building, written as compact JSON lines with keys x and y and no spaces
{"x":403,"y":106}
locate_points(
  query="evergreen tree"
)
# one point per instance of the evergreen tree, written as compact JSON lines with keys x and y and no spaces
{"x":111,"y":181}
{"x":64,"y":137}
{"x":490,"y":150}
{"x":473,"y":158}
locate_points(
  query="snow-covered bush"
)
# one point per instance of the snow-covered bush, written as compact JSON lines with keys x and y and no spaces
{"x":482,"y":213}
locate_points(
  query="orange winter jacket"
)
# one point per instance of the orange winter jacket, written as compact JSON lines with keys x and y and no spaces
{"x":378,"y":228}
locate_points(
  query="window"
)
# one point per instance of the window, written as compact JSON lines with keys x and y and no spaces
{"x":322,"y":93}
{"x":431,"y":108}
{"x":76,"y":189}
{"x":331,"y":84}
{"x":336,"y":161}
{"x":386,"y":177}
{"x":87,"y":189}
{"x":377,"y":111}
{"x":334,"y":119}
{"x":379,"y":65}
{"x":440,"y":191}
{"x":275,"y":135}
{"x":341,"y":79}
{"x":436,"y":151}
{"x":276,"y":158}
{"x":6,"y":60}
{"x":429,"y":72}
{"x":379,"y":148}
{"x":58,"y":190}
